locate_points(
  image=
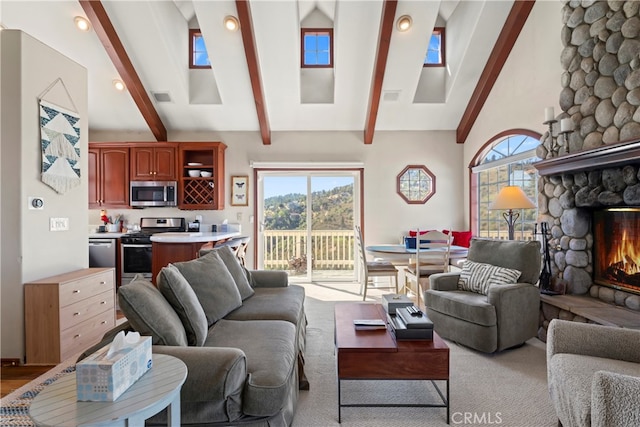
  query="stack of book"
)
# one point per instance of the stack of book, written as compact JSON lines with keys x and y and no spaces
{"x":411,"y":324}
{"x":369,"y":324}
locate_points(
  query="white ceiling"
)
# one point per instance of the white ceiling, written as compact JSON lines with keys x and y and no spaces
{"x":155,"y":36}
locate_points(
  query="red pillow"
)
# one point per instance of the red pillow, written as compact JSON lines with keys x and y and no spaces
{"x":412,"y":233}
{"x":460,"y":238}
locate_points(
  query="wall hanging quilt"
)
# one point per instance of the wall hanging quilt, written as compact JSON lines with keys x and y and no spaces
{"x":60,"y":140}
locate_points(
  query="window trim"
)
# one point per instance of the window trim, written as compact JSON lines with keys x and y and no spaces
{"x":443,"y":50}
{"x":475,"y":161}
{"x":303,"y":32}
{"x":192,"y":33}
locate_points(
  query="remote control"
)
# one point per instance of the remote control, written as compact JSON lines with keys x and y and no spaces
{"x":414,"y":311}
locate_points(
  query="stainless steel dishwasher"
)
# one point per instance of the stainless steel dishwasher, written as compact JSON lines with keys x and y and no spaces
{"x":102,"y":252}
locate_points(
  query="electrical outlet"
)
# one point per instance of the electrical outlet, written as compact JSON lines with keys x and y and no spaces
{"x":239,"y":216}
{"x":58,"y":224}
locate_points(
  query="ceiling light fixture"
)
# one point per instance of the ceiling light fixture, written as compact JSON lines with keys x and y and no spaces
{"x":231,"y":23}
{"x":119,"y":85}
{"x":82,"y":23}
{"x":404,"y":23}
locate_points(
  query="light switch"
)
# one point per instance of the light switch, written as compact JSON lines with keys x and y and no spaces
{"x":58,"y":224}
{"x":239,"y":216}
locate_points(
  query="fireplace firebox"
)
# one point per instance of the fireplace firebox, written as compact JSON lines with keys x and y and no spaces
{"x":616,"y":248}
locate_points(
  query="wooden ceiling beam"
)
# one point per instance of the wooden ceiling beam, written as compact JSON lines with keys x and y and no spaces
{"x":507,"y":38}
{"x":384,"y":41}
{"x":248,"y":40}
{"x":103,"y":27}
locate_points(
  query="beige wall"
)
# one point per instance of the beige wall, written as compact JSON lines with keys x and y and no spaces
{"x":29,"y":250}
{"x":387,"y":215}
{"x":529,"y":82}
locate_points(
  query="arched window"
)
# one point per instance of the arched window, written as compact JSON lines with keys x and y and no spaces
{"x":506,"y":159}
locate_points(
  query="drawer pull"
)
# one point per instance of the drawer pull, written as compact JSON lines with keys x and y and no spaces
{"x":76,"y":314}
{"x":76,"y":336}
{"x":103,"y":302}
{"x":103,"y":322}
{"x":103,"y":283}
{"x":76,"y":291}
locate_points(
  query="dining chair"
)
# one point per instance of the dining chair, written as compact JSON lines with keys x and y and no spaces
{"x":373,"y":268}
{"x":433,"y":249}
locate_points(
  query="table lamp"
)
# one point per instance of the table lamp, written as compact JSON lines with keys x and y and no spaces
{"x":511,"y":197}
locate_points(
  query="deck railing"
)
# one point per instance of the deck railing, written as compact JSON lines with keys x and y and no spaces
{"x":330,"y":250}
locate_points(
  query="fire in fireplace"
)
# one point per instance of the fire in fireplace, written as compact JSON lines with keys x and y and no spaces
{"x":616,"y":245}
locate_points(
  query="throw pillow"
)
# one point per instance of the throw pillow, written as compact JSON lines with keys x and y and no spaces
{"x":184,"y":301}
{"x":235,"y":268}
{"x":150,"y":314}
{"x":460,"y":238}
{"x":213,"y":284}
{"x":478,"y":277}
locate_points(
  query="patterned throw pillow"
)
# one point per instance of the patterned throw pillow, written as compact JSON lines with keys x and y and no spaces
{"x":478,"y":277}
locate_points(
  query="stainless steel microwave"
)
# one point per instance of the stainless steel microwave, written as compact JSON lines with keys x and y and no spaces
{"x":153,"y":193}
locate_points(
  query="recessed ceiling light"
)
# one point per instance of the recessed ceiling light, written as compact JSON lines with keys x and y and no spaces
{"x":119,"y":85}
{"x":82,"y":23}
{"x":404,"y":23}
{"x":231,"y":23}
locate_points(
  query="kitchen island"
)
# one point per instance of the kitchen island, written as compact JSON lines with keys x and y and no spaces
{"x":182,"y":246}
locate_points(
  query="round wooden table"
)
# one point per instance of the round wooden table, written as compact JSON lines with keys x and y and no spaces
{"x":159,"y":388}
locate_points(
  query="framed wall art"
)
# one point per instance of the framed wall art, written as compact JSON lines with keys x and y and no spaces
{"x":240,"y":190}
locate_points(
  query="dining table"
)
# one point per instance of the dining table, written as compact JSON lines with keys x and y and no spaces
{"x":400,"y":255}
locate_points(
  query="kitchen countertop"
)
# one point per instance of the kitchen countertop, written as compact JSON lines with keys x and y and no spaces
{"x":193,"y":237}
{"x":106,"y":235}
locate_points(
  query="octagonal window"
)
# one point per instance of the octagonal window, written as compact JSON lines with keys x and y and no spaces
{"x":416,"y":184}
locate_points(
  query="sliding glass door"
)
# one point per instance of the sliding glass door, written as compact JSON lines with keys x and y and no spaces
{"x":306,"y":220}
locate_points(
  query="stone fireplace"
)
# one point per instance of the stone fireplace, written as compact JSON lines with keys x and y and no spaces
{"x":574,"y":187}
{"x":589,"y":168}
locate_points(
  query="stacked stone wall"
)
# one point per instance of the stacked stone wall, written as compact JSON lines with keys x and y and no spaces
{"x":601,"y":95}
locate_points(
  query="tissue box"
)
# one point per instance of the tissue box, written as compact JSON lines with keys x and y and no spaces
{"x":104,"y":380}
{"x":391,"y":302}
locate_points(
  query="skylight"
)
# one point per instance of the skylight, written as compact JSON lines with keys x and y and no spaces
{"x":317,"y":47}
{"x":435,"y":51}
{"x":198,"y":56}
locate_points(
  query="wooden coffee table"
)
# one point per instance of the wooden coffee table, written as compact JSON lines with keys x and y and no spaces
{"x":376,"y":355}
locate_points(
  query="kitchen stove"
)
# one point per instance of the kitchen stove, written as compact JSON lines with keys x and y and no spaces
{"x":136,"y":247}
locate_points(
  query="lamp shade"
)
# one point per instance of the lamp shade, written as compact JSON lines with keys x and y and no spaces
{"x":512,"y":197}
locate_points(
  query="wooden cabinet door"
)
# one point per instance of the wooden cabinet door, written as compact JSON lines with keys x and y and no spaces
{"x":94,"y":178}
{"x":115,"y":177}
{"x":142,"y":164}
{"x":164,"y":161}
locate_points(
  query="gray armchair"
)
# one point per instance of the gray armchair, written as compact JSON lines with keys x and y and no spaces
{"x":594,"y":374}
{"x":506,"y":316}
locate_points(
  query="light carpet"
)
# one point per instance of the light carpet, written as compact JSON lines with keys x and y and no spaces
{"x":505,"y":389}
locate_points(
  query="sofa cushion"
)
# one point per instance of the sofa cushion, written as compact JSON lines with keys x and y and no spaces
{"x":272,"y":304}
{"x":213,"y":284}
{"x":468,"y":306}
{"x":269,"y":346}
{"x":149,"y":313}
{"x":477,"y":276}
{"x":184,"y":301}
{"x":572,"y":378}
{"x":235,"y":268}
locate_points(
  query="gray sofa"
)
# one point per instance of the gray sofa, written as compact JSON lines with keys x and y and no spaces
{"x":242,"y":340}
{"x":594,"y":374}
{"x":493,"y":303}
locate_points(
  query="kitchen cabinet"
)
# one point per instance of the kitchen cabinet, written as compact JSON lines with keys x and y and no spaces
{"x":153,"y":163}
{"x":108,"y":176}
{"x":68,"y":313}
{"x":201,"y":192}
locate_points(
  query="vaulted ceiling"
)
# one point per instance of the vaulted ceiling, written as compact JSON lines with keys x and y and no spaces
{"x":378,"y":82}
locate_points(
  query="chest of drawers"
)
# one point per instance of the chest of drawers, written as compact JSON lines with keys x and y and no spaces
{"x":67,"y":313}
